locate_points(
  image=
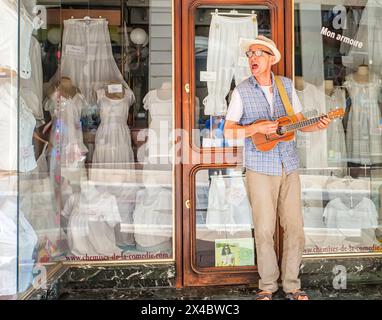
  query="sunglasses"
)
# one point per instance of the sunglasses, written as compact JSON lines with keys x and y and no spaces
{"x":257,"y":53}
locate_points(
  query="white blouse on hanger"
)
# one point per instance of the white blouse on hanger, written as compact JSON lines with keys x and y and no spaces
{"x":9,"y":128}
{"x":9,"y":37}
{"x":31,"y":89}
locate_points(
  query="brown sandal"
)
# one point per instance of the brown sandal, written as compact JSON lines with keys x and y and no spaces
{"x":296,"y":295}
{"x":263,"y":295}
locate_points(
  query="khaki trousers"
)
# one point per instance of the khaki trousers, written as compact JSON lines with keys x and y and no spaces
{"x":271,"y":196}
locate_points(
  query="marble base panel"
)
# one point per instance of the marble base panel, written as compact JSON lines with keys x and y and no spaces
{"x":107,"y":277}
{"x":333,"y":272}
{"x":344,"y":278}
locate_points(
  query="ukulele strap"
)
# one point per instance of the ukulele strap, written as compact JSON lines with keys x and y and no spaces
{"x":284,"y":98}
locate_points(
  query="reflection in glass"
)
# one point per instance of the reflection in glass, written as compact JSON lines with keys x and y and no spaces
{"x":341,"y":166}
{"x":220,"y":65}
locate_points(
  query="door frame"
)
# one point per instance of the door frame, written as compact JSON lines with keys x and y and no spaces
{"x":188,"y":274}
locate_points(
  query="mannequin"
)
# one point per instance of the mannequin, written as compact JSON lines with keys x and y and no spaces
{"x":299,"y":83}
{"x":65,"y":105}
{"x":115,"y":95}
{"x":67,"y":90}
{"x":158,"y":103}
{"x":165,"y":91}
{"x":362,"y":74}
{"x":113,"y":147}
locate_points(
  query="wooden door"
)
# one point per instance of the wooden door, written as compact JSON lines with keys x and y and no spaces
{"x":200,"y":242}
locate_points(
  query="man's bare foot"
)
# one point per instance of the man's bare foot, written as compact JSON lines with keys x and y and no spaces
{"x":297,"y":295}
{"x":263,"y":295}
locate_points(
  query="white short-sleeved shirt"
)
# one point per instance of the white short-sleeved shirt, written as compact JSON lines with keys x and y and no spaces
{"x":235,"y":108}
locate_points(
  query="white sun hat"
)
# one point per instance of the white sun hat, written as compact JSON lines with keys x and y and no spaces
{"x":261,"y":40}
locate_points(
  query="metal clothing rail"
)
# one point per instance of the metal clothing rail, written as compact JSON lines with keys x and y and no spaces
{"x":234,"y":12}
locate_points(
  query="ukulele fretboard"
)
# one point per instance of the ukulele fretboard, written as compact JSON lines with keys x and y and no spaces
{"x":302,"y":124}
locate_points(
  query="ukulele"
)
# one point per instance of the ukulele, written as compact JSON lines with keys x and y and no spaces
{"x":287,"y":128}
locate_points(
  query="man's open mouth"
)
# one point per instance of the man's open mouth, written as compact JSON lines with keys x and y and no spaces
{"x":255,"y":66}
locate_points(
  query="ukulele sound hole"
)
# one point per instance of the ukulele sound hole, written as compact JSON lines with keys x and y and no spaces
{"x":280,"y":131}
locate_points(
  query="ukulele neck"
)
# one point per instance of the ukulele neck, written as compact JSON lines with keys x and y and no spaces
{"x":302,"y":124}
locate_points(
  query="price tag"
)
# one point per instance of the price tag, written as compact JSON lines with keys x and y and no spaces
{"x":74,"y":50}
{"x":376,"y":131}
{"x":209,"y":76}
{"x":26,"y":152}
{"x":114,"y":88}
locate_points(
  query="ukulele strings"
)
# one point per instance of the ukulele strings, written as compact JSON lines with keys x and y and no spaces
{"x":304,"y":123}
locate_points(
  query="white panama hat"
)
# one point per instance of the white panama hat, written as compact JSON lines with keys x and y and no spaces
{"x":261,"y":40}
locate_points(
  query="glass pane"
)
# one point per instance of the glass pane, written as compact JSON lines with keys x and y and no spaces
{"x":220,"y":64}
{"x":121,"y":173}
{"x":26,"y":207}
{"x":8,"y":160}
{"x":224,"y":228}
{"x":337,"y":65}
{"x":40,"y":238}
{"x":95,"y":140}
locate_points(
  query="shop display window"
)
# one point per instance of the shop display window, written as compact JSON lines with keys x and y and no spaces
{"x":337,"y":65}
{"x":87,"y":117}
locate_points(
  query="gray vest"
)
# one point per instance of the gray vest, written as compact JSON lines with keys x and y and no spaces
{"x":256,"y":107}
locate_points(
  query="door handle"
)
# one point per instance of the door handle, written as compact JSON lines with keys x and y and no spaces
{"x":188,"y":204}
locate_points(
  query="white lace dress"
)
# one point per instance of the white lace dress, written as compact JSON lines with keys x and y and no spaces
{"x":113,"y":140}
{"x":364,"y":135}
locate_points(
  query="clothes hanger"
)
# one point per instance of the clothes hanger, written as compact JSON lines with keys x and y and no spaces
{"x":234,"y":12}
{"x":348,"y":178}
{"x":221,"y":175}
{"x":87,"y":19}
